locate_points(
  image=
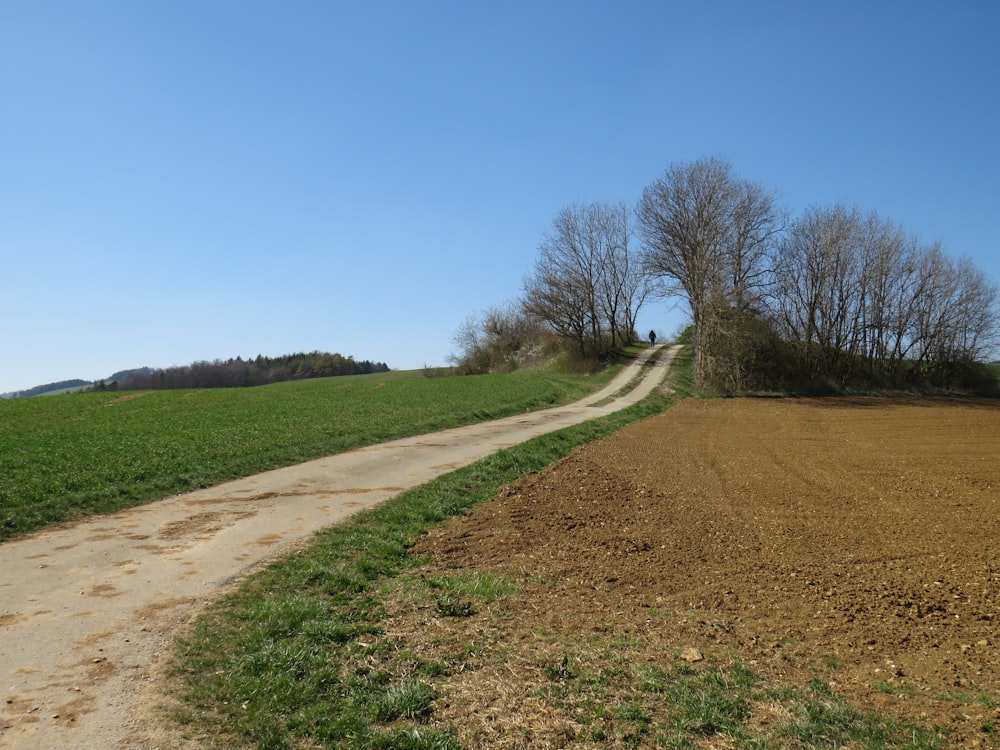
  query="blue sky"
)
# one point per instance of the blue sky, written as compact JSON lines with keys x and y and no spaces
{"x":198,"y":180}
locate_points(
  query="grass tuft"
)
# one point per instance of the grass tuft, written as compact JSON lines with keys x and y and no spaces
{"x":408,"y":700}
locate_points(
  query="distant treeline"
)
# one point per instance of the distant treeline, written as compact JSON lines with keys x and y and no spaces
{"x":239,"y":372}
{"x":40,"y":390}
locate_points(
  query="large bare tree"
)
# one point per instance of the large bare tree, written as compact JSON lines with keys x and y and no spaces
{"x":708,"y":236}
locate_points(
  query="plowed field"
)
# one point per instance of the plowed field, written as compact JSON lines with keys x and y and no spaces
{"x":850,"y":540}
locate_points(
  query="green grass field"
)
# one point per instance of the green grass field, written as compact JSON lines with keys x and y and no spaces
{"x":63,"y":457}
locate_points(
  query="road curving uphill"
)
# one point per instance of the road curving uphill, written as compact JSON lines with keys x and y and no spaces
{"x":87,"y":608}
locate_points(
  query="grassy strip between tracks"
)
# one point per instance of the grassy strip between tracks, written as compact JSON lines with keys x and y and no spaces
{"x":303,"y":653}
{"x":68,"y":456}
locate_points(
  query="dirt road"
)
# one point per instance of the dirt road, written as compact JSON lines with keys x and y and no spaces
{"x":85,"y":609}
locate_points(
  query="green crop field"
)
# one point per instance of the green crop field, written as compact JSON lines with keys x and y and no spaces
{"x":64,"y":457}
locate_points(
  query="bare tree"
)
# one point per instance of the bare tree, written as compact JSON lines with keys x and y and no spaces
{"x":563,"y":291}
{"x":757,"y":225}
{"x":816,"y":282}
{"x":955,"y":311}
{"x":471,"y":343}
{"x":708,"y":235}
{"x":623,"y":285}
{"x":587,"y":283}
{"x":884,"y":276}
{"x":976,"y":335}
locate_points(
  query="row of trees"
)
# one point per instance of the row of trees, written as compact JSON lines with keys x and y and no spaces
{"x":835,"y":296}
{"x":586,"y":290}
{"x":239,"y":372}
{"x":867,"y":294}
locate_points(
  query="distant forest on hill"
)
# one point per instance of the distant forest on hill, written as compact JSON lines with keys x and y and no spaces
{"x":239,"y":372}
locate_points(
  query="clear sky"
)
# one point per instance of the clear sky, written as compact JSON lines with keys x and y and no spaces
{"x":200,"y":179}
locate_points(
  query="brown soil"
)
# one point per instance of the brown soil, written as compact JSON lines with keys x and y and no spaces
{"x":851,"y":539}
